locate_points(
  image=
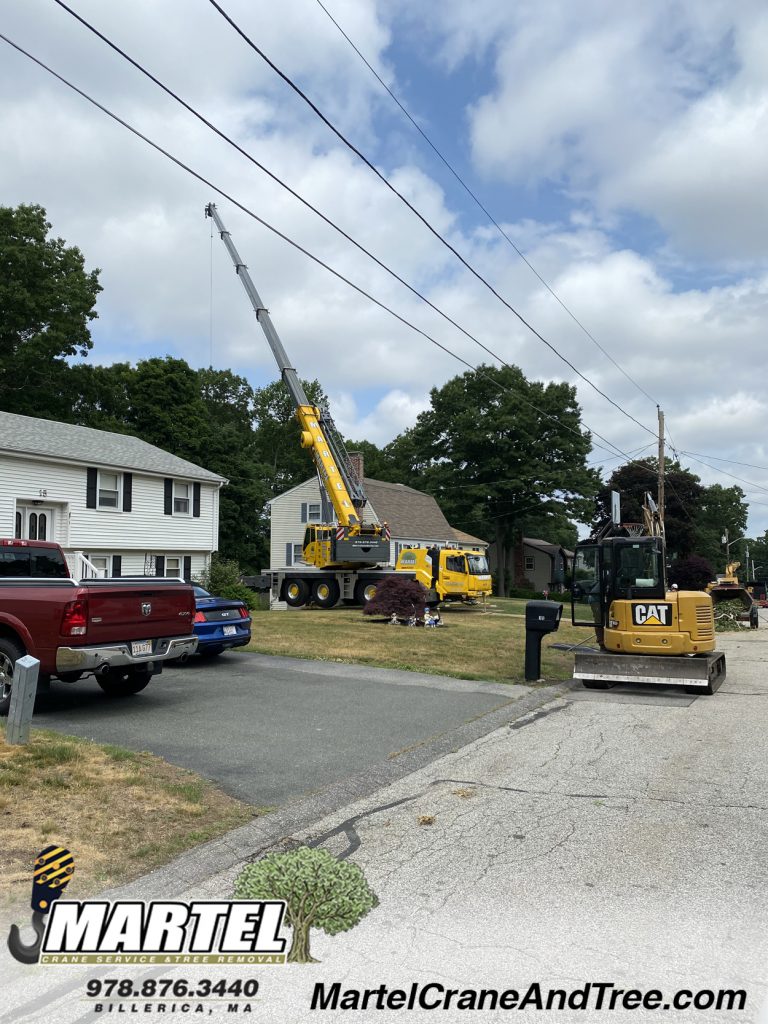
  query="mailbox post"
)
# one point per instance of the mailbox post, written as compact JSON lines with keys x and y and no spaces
{"x":541,"y":617}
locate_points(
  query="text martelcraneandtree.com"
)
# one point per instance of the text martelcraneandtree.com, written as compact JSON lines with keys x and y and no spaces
{"x":597,"y":995}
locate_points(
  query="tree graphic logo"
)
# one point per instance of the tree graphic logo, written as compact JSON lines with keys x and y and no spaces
{"x":319,"y":892}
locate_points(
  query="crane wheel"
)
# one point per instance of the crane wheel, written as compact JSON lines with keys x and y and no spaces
{"x":325,"y":593}
{"x":296,"y":593}
{"x":365,"y":591}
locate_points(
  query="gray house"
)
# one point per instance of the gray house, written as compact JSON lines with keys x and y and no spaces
{"x":414,"y":519}
{"x":116,"y":505}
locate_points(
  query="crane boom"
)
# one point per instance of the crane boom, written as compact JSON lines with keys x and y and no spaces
{"x":319,"y":434}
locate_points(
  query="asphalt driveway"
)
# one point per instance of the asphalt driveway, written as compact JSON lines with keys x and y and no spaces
{"x":270,"y":729}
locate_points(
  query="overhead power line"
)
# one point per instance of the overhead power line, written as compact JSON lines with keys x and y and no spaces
{"x":612,"y":448}
{"x":279,"y":181}
{"x":430,"y":227}
{"x":479,"y":203}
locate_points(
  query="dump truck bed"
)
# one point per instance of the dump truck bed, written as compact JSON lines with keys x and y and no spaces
{"x":598,"y":669}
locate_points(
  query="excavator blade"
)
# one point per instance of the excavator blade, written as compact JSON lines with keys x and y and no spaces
{"x":702,"y":673}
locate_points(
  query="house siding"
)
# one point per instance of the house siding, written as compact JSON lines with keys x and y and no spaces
{"x":41,"y":485}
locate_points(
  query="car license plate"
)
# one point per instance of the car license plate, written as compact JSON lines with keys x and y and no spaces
{"x":230,"y":630}
{"x":139,"y":647}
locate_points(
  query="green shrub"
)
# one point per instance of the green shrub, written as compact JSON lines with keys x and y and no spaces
{"x":222,"y":579}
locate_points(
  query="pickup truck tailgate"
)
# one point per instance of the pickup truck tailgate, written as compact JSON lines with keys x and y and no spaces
{"x":137,"y":609}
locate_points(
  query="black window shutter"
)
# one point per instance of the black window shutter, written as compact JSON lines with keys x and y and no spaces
{"x":196,"y":500}
{"x":127,"y":492}
{"x":188,"y":568}
{"x":117,"y":564}
{"x":168,"y":496}
{"x":289,"y":554}
{"x":303,"y":511}
{"x":90,"y":488}
{"x":159,"y":565}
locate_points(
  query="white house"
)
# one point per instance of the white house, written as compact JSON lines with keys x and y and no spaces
{"x":414,"y":518}
{"x":117,"y":505}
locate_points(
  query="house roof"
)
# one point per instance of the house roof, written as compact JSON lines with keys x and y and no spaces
{"x":67,"y":442}
{"x":410,"y":514}
{"x":543,"y":545}
{"x":467,"y":538}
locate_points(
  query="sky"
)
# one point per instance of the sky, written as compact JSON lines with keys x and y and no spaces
{"x":622,"y":148}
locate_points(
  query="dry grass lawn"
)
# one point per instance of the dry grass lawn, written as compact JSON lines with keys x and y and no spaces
{"x":119,"y":812}
{"x":473,"y":644}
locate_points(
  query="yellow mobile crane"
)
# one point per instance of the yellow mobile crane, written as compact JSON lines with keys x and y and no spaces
{"x":344,"y":557}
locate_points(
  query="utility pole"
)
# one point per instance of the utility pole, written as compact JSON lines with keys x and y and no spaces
{"x":660,"y":496}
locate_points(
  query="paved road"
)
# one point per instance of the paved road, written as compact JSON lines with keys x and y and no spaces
{"x":271,"y":729}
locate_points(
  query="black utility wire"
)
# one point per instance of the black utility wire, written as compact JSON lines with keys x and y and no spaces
{"x":613,"y":449}
{"x":478,"y":202}
{"x":476,"y":273}
{"x":327,"y":220}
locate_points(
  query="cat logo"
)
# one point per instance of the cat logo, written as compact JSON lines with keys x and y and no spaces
{"x":652,"y":614}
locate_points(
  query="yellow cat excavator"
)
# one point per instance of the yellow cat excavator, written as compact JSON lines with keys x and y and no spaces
{"x":646,"y":632}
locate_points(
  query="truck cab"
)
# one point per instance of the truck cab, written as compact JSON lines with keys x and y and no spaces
{"x":458,"y":576}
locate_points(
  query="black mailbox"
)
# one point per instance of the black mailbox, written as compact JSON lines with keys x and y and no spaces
{"x":540,"y":617}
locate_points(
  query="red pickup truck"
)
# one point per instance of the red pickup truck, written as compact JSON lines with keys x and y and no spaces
{"x":118,"y":630}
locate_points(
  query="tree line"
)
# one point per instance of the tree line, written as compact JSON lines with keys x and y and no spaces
{"x":504,"y":456}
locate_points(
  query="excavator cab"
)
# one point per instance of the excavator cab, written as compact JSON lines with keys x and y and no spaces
{"x":613,"y":569}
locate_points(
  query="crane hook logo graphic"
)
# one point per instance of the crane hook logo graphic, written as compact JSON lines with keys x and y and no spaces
{"x":54,"y":867}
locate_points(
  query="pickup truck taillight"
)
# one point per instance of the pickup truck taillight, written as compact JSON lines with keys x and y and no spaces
{"x":74,"y":621}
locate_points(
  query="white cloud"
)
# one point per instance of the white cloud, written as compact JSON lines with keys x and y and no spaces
{"x":632,"y":111}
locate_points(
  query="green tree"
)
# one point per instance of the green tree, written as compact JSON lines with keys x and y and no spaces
{"x":319,"y":891}
{"x":720,"y":509}
{"x":47,"y":300}
{"x":278,"y":435}
{"x":203,"y":416}
{"x":503,"y":456}
{"x":683,"y":495}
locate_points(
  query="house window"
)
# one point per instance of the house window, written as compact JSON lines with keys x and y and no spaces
{"x":298,"y":555}
{"x":180,"y":499}
{"x":314,"y":512}
{"x":108,"y":490}
{"x":173,"y":566}
{"x":101,"y":562}
{"x":530,"y":563}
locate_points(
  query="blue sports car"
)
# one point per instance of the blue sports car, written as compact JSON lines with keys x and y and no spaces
{"x":220,"y":623}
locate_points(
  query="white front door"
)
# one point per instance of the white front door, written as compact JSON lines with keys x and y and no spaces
{"x":34,"y":522}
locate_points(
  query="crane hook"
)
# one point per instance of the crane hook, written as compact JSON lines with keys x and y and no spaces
{"x":27,"y":954}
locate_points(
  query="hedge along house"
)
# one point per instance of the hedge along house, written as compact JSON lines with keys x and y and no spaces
{"x":414,"y":518}
{"x":117,"y":505}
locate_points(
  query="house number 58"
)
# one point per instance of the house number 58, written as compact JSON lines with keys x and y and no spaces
{"x":43,"y":492}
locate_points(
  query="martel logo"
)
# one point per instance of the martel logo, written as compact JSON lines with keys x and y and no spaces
{"x":146,"y":607}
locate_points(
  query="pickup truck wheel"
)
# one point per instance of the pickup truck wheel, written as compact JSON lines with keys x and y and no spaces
{"x":122,"y":683}
{"x":10,"y":652}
